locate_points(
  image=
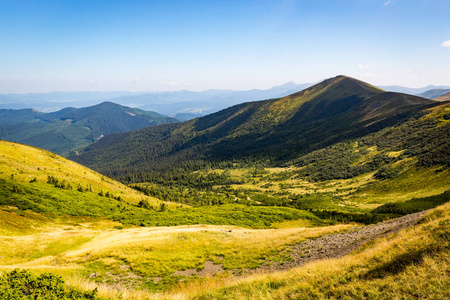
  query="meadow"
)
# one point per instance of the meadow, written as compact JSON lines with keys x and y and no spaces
{"x":139,"y":263}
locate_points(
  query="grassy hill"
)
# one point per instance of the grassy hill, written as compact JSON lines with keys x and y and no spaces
{"x":71,"y":128}
{"x":253,"y":188}
{"x":41,"y":181}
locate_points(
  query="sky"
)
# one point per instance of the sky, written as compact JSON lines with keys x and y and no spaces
{"x":168,"y":45}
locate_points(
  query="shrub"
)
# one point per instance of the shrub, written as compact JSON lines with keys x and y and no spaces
{"x":21,"y":284}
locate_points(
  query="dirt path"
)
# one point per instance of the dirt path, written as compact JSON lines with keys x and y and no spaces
{"x":340,"y":244}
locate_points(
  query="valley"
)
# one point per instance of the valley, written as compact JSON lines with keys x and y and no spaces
{"x":340,"y":190}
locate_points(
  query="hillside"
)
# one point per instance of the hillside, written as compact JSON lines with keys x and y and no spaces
{"x":71,"y":128}
{"x":35,"y":180}
{"x":43,"y":182}
{"x":270,"y":131}
{"x":445,"y":97}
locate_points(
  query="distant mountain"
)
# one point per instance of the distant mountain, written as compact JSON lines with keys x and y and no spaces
{"x":412,"y":91}
{"x":72,"y":128}
{"x":445,"y":97}
{"x":434,"y":93}
{"x":57,"y":100}
{"x":188,"y":104}
{"x":270,"y":131}
{"x":180,"y":104}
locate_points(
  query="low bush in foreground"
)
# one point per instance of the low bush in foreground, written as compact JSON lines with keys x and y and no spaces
{"x":21,"y":284}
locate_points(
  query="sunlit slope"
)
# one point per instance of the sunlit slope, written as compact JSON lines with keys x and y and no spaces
{"x":445,"y":97}
{"x":32,"y":178}
{"x":271,"y":131}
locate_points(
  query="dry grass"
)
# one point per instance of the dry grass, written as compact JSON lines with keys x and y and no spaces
{"x":414,"y":263}
{"x":130,"y":257}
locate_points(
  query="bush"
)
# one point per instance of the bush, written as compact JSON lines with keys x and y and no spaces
{"x":21,"y":284}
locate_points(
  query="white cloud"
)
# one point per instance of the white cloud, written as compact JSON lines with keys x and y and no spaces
{"x":373,"y":75}
{"x":446,"y":44}
{"x":387,"y":2}
{"x":135,"y":81}
{"x":363,"y":67}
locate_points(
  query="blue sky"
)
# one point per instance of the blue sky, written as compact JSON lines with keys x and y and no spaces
{"x":171,"y":45}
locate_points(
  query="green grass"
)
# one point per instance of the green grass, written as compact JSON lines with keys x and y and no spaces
{"x":414,"y":205}
{"x":239,"y":215}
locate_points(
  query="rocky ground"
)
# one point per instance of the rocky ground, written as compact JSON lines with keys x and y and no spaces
{"x":340,"y":244}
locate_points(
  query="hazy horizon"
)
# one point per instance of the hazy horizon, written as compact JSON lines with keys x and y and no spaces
{"x":149,"y":46}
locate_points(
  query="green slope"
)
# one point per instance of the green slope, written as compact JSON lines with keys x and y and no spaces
{"x":271,"y":131}
{"x":70,"y":128}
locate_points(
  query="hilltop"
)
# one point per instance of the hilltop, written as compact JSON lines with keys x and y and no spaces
{"x":71,"y":128}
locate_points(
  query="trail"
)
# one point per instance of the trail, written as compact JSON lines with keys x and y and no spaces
{"x":339,"y":244}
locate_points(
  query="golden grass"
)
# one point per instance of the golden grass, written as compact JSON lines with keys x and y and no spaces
{"x":144,"y":253}
{"x":370,"y":273}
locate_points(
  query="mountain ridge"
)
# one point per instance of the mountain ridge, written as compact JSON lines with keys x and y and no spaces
{"x":71,"y":128}
{"x":273,"y":130}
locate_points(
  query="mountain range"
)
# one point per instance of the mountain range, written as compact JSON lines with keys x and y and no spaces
{"x":71,"y":128}
{"x":181,"y":104}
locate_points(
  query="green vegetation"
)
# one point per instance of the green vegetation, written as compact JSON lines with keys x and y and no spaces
{"x":239,"y":215}
{"x":21,"y":284}
{"x":413,"y":205}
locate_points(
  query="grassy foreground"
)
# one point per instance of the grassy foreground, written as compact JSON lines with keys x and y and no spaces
{"x":131,"y":263}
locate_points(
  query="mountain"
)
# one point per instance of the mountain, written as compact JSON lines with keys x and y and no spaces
{"x":434,"y":93}
{"x":445,"y":97}
{"x":71,"y":128}
{"x":412,"y":91}
{"x":272,"y":131}
{"x":265,"y":186}
{"x":189,"y":104}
